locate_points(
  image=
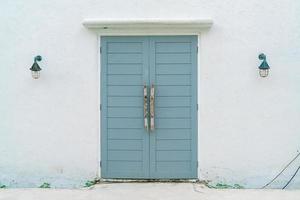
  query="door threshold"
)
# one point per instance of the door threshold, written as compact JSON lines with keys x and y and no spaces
{"x":105,"y":180}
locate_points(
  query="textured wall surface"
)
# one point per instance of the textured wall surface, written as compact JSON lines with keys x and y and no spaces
{"x":248,"y":126}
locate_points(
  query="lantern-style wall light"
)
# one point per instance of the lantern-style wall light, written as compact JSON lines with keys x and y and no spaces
{"x":264,"y":67}
{"x":35,"y":68}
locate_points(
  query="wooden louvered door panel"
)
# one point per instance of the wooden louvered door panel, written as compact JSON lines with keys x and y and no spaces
{"x":127,"y":149}
{"x":173,"y":71}
{"x":124,"y":141}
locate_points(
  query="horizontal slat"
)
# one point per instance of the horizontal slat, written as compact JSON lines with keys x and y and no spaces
{"x":173,"y":91}
{"x":172,"y":123}
{"x":125,"y":123}
{"x":125,"y":112}
{"x":173,"y":112}
{"x":173,"y":133}
{"x":159,"y":101}
{"x":125,"y":58}
{"x":125,"y":145}
{"x":173,"y":155}
{"x":125,"y":69}
{"x":125,"y":79}
{"x":173,"y":58}
{"x":125,"y":90}
{"x":125,"y":133}
{"x":173,"y":80}
{"x":127,"y":101}
{"x":178,"y":166}
{"x":173,"y":145}
{"x":173,"y":69}
{"x":172,"y":101}
{"x":170,"y":47}
{"x":119,"y":47}
{"x":117,"y":166}
{"x":125,"y":155}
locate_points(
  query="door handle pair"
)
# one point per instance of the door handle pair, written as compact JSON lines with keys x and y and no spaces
{"x":152,"y":111}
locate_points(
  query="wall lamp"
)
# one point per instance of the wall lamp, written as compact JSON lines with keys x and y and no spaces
{"x":35,"y":68}
{"x":264,"y":67}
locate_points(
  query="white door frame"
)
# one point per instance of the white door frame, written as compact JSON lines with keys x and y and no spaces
{"x":136,"y":27}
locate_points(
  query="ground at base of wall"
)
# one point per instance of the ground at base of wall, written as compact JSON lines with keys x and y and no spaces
{"x":132,"y":191}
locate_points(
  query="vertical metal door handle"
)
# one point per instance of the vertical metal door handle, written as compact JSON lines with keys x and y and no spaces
{"x":152,"y":113}
{"x":146,"y":126}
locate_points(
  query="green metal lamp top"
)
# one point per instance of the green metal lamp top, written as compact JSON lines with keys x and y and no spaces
{"x":264,"y":64}
{"x":35,"y":67}
{"x":38,"y":58}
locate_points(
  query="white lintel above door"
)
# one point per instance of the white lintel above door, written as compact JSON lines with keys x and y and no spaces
{"x":148,"y":26}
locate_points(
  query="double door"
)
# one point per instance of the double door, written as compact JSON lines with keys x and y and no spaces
{"x":149,"y":107}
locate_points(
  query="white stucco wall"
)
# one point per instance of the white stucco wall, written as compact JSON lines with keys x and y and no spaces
{"x":248,"y":126}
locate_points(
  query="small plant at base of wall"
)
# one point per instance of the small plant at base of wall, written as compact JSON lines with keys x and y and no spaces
{"x":90,"y":183}
{"x":225,"y":186}
{"x":2,"y":186}
{"x":45,"y":185}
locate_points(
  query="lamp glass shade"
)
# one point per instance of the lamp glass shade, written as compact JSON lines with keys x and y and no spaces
{"x":35,"y":74}
{"x":263,"y":72}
